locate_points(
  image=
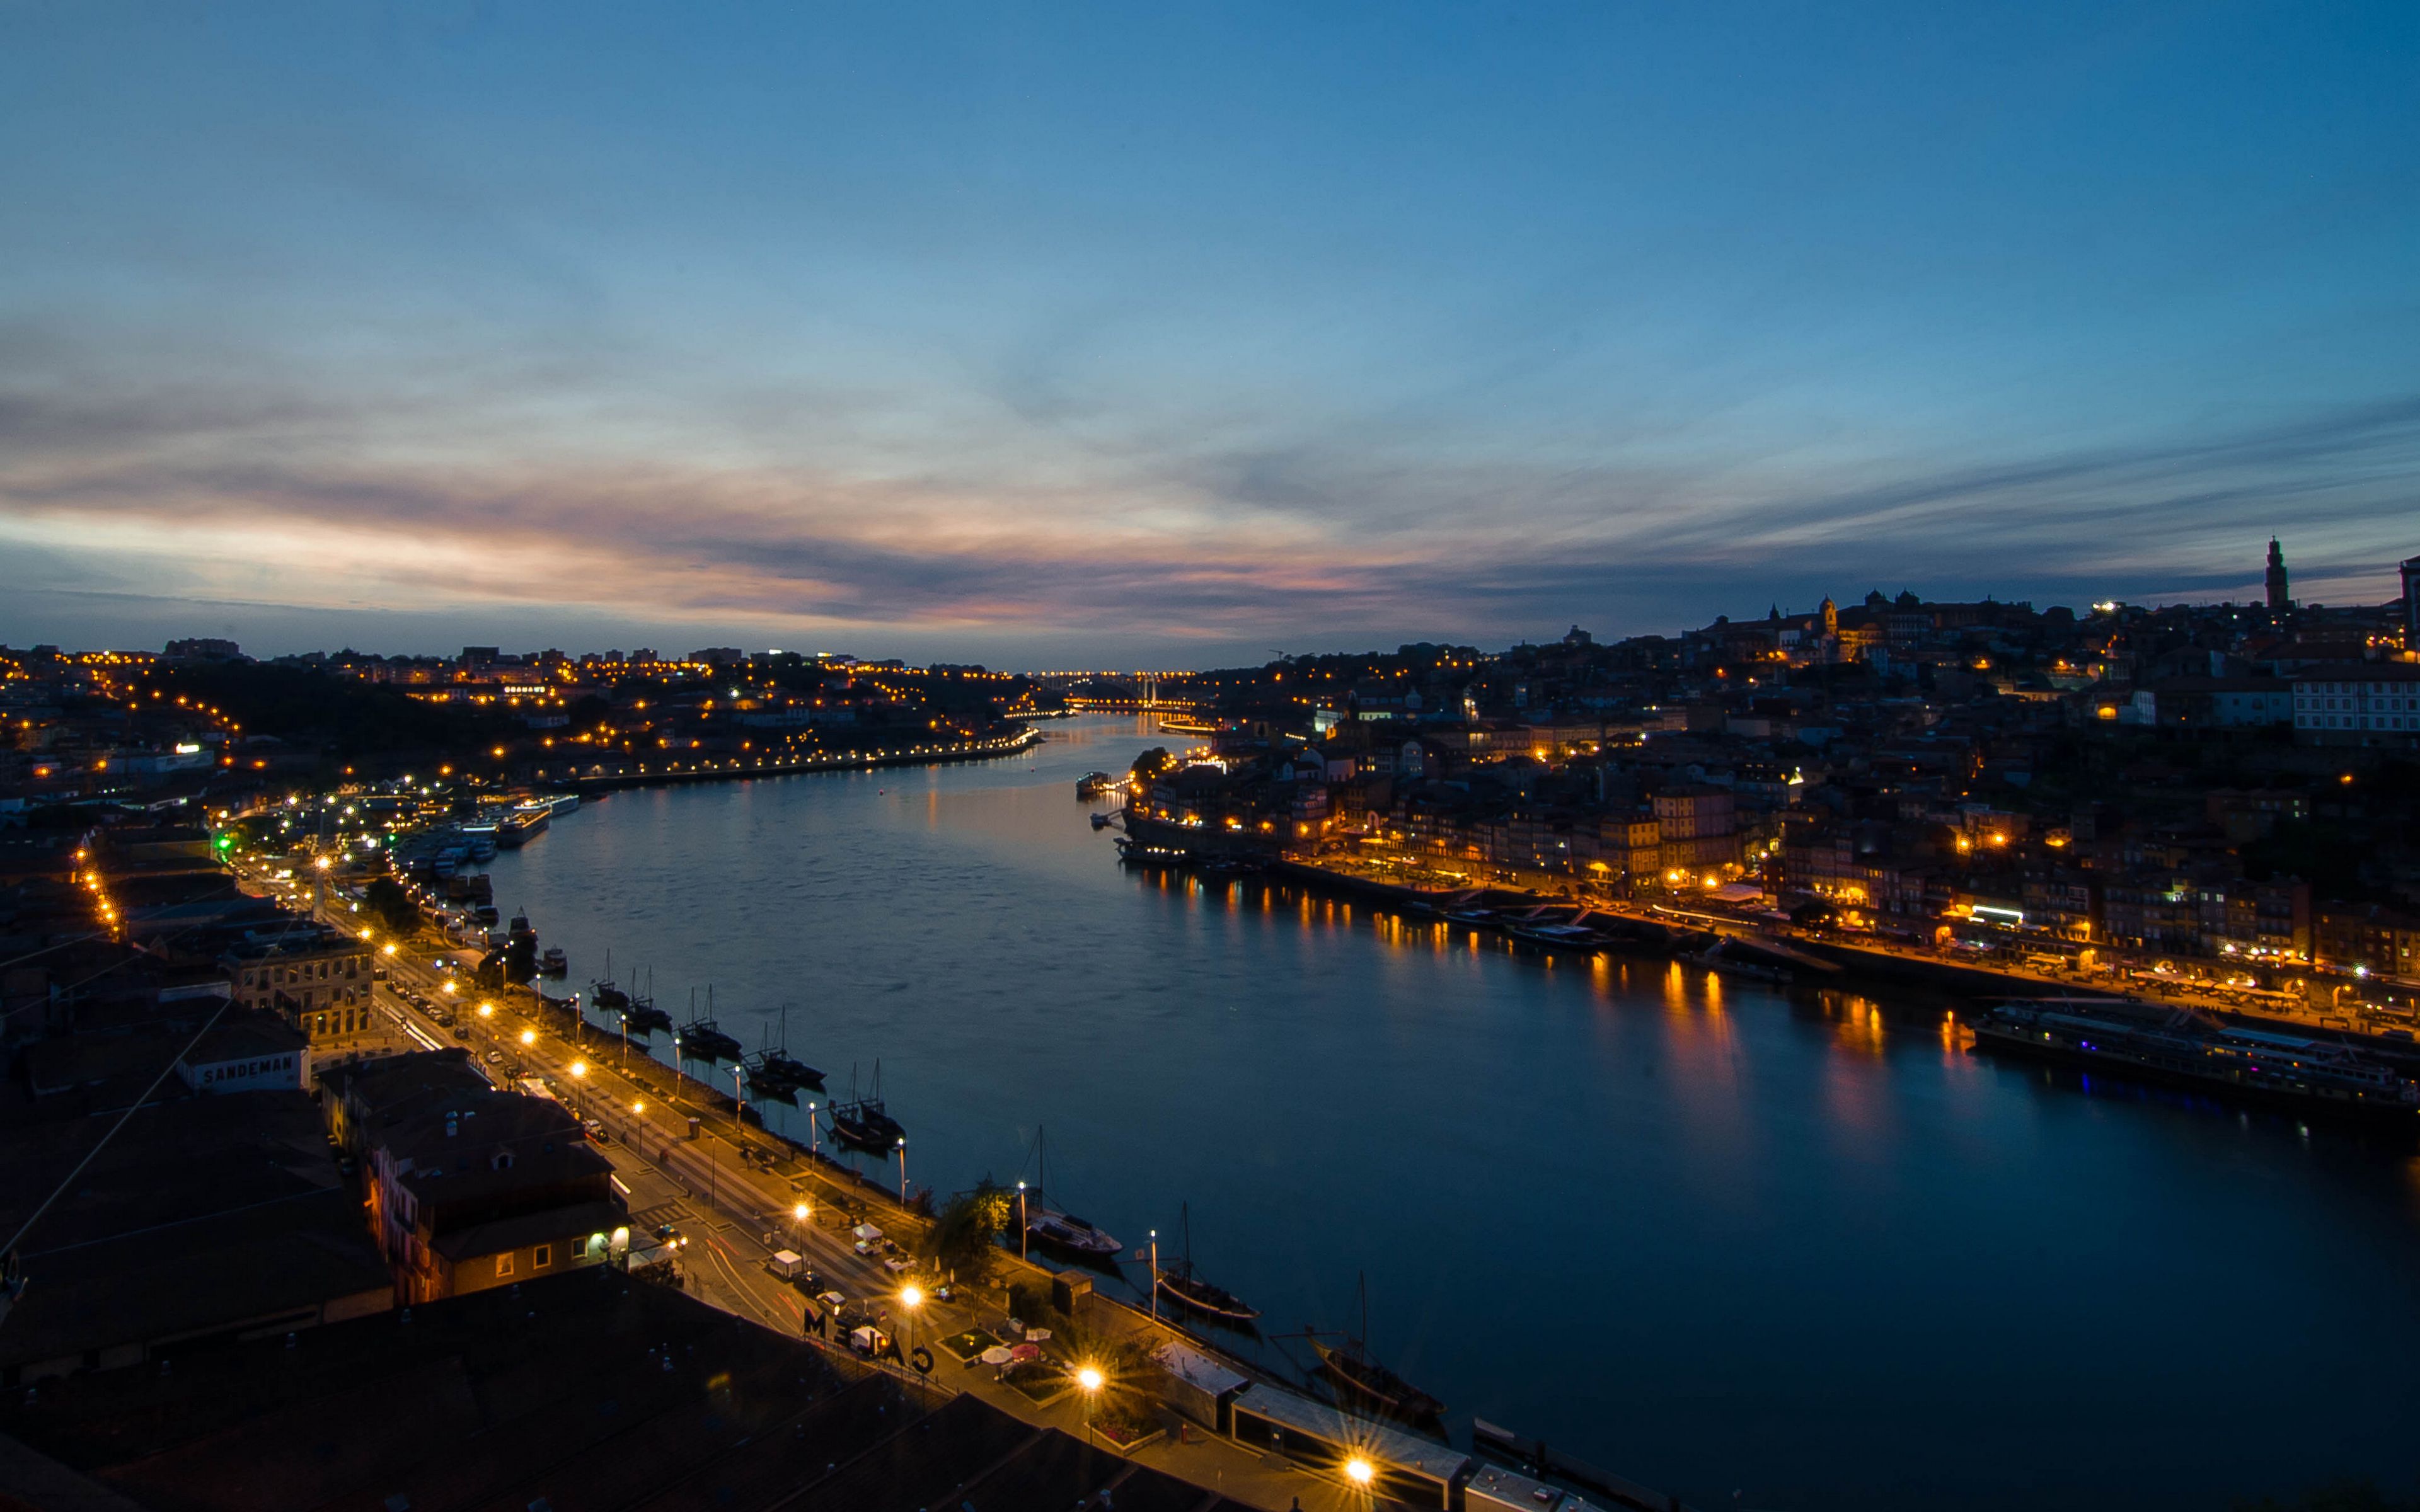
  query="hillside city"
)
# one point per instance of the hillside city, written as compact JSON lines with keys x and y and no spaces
{"x":221,"y":875}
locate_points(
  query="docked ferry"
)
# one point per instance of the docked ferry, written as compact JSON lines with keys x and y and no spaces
{"x":525,"y":823}
{"x":2189,"y":1048}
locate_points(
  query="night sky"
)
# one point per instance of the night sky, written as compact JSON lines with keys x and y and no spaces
{"x":1150,"y":334}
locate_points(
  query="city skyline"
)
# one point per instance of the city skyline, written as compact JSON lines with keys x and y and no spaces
{"x":1082,"y":339}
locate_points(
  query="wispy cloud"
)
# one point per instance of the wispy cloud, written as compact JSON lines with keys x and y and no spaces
{"x":491,"y":498}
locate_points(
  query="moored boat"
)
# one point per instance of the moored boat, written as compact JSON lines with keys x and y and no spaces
{"x":1065,"y":1231}
{"x":704,"y":1040}
{"x":553,"y":963}
{"x":1181,"y":1283}
{"x":1360,"y":1378}
{"x":1355,"y":1374}
{"x":1056,"y":1228}
{"x":604,"y":991}
{"x":864,"y":1122}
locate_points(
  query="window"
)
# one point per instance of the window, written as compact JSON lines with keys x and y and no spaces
{"x":504,"y":1264}
{"x":541,"y":1256}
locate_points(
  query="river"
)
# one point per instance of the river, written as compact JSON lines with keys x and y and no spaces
{"x":1716,"y":1238}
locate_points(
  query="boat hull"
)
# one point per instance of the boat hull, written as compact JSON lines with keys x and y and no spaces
{"x":1232,"y":1311}
{"x":859,"y":1135}
{"x":1086,"y":1241}
{"x":1375,"y":1386}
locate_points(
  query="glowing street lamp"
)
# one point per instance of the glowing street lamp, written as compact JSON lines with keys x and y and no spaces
{"x":1359,"y":1472}
{"x":529,"y":1037}
{"x":1090,"y":1380}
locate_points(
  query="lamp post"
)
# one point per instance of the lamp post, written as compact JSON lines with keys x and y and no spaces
{"x":739,"y":1113}
{"x":1155,"y":1275}
{"x":1020,"y":1221}
{"x":911,"y":1297}
{"x":1089,"y":1379}
{"x":815,"y":1136}
{"x":903,"y":1172}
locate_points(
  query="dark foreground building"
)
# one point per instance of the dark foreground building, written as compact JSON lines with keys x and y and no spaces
{"x":586,"y":1390}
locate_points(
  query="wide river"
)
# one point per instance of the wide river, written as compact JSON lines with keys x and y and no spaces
{"x":1796,"y":1246}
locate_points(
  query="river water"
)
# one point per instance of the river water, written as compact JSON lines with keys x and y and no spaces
{"x":1716,"y":1238}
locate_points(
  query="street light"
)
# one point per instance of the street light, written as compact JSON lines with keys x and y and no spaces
{"x":529,"y":1037}
{"x":1020,"y":1221}
{"x":903,"y":1172}
{"x":1360,"y":1472}
{"x":801,"y":1213}
{"x":1089,"y":1379}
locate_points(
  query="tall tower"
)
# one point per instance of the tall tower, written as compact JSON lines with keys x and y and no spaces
{"x":2411,"y":604}
{"x":2278,"y":600}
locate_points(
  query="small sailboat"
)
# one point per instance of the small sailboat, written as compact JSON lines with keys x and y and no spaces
{"x":1358,"y":1374}
{"x":604,"y":991}
{"x":776,"y":1066}
{"x":701,"y":1039}
{"x":640,"y":1010}
{"x":864,"y":1122}
{"x":1059,"y":1230}
{"x":1181,"y":1283}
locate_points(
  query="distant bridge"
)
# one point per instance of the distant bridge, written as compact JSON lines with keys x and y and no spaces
{"x":1142,"y":693}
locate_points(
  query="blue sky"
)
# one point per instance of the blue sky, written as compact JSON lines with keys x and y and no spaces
{"x":1061,"y":336}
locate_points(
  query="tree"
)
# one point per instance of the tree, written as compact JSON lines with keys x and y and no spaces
{"x":385,"y":902}
{"x":962,"y":1240}
{"x":1151,"y":764}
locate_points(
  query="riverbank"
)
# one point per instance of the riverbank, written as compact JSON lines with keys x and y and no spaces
{"x":1879,"y":963}
{"x":1718,"y":1152}
{"x":667,"y":774}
